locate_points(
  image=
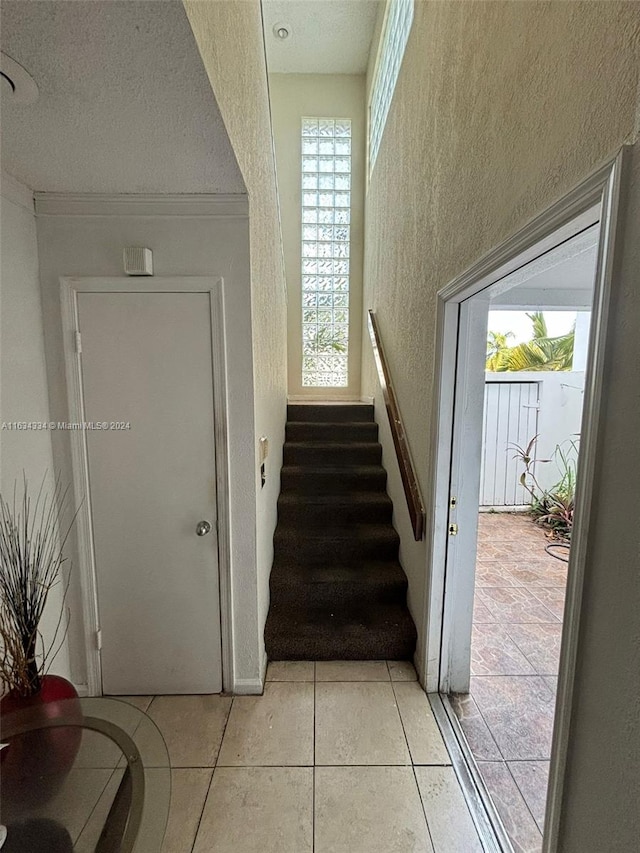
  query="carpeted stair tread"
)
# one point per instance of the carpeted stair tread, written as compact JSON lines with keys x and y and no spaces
{"x":377,"y":632}
{"x":328,"y":432}
{"x":356,"y":542}
{"x":332,"y":453}
{"x":333,"y":479}
{"x":285,"y":572}
{"x":361,"y":532}
{"x":337,"y":589}
{"x":299,"y":583}
{"x":322,"y":413}
{"x":340,"y":510}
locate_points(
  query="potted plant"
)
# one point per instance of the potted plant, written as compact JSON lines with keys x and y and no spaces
{"x":32,"y":541}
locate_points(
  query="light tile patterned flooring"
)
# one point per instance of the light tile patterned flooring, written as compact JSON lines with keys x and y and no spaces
{"x":341,"y":757}
{"x":508,"y":715}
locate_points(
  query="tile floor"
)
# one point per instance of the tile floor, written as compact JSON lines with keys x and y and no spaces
{"x":508,"y":715}
{"x":341,"y":757}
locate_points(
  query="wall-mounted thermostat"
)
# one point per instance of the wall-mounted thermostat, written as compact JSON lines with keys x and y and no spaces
{"x":138,"y":261}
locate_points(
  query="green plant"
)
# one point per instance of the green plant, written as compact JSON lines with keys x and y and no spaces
{"x":540,"y":353}
{"x":553,"y":507}
{"x":31,"y":559}
{"x":497,"y":345}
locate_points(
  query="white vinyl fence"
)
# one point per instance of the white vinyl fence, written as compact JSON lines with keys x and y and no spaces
{"x":518,"y":406}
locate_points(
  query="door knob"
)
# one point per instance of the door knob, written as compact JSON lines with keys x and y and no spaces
{"x":202,"y":528}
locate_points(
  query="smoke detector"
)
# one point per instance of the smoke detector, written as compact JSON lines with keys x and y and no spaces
{"x":18,"y":86}
{"x":138,"y":260}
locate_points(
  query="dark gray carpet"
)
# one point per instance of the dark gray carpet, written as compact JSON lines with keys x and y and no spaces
{"x":338,"y":591}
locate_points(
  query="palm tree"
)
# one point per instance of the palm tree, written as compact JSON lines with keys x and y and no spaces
{"x":497,"y":344}
{"x":540,"y":353}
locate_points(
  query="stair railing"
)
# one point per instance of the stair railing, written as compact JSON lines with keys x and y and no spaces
{"x":407,"y":471}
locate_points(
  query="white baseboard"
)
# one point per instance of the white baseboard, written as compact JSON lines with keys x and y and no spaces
{"x":248,"y":686}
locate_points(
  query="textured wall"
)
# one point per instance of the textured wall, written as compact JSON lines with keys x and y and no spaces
{"x":182,"y":246}
{"x":500,"y":108}
{"x":230,"y":38}
{"x":23,"y":375}
{"x":327,"y":95}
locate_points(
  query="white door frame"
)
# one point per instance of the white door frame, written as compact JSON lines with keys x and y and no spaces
{"x":69,"y":288}
{"x":561,"y":221}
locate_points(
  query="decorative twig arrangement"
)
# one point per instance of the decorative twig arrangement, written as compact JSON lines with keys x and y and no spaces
{"x":32,"y":541}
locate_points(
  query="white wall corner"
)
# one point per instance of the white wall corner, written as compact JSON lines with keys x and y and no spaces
{"x":17,"y":192}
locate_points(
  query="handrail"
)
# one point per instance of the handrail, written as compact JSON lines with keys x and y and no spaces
{"x":407,"y":472}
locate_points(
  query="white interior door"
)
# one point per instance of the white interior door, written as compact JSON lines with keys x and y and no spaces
{"x":464,"y":495}
{"x":147,"y":364}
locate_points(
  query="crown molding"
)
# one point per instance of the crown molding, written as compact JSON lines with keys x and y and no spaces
{"x":217,"y":206}
{"x":13,"y":190}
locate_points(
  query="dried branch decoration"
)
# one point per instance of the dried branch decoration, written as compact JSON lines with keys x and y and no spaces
{"x":31,"y":559}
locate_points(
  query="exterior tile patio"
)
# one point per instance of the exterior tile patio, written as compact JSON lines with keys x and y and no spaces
{"x":508,"y":714}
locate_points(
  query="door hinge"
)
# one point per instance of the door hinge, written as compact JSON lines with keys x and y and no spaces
{"x":99,"y":639}
{"x":78,"y":342}
{"x":453,"y":530}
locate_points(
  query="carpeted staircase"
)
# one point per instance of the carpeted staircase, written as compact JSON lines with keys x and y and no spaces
{"x":338,"y":591}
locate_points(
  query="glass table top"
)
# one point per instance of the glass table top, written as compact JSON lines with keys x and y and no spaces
{"x":88,"y":775}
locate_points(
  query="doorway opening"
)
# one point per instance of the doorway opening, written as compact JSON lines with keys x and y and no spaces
{"x":519,"y":383}
{"x":533,"y":388}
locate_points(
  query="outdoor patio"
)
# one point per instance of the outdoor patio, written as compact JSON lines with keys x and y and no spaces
{"x":508,"y":715}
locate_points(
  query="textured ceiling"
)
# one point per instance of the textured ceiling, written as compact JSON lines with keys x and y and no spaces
{"x":125,"y":104}
{"x":326,"y":36}
{"x":564,"y":276}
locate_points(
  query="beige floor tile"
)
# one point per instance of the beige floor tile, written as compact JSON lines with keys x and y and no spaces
{"x":358,"y":723}
{"x":275,"y":729}
{"x":192,"y":727}
{"x":352,"y":670}
{"x":73,"y":804}
{"x":99,"y":751}
{"x":450,"y":824}
{"x":258,"y":810}
{"x":420,"y":727}
{"x":189,"y":789}
{"x":402,"y":670}
{"x":90,"y":834}
{"x":291,"y":670}
{"x":141,"y":702}
{"x":154,"y":817}
{"x":369,"y":810}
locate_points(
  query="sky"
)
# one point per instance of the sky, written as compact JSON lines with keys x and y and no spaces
{"x":558,"y":323}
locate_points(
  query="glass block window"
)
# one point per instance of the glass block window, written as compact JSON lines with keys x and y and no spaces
{"x":393,"y":40}
{"x":326,"y":217}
